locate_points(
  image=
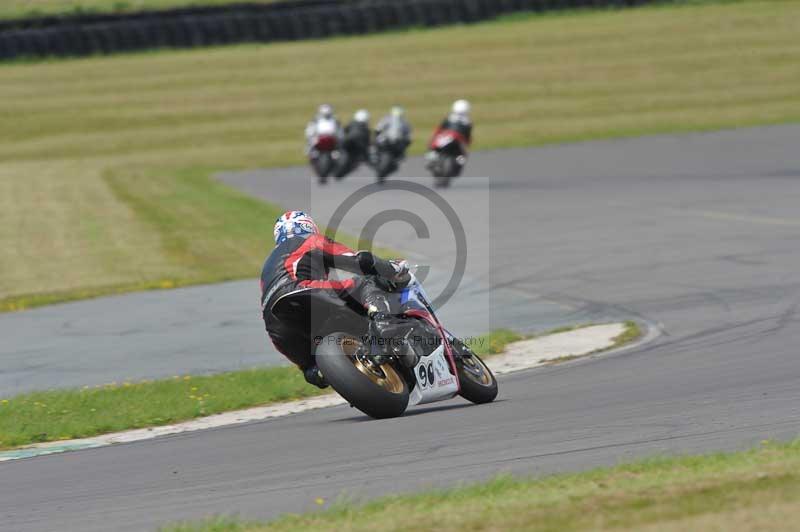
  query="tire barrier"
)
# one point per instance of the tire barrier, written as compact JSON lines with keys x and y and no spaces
{"x":82,"y":35}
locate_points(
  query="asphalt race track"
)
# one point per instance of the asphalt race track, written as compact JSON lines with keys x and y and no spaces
{"x":697,"y":235}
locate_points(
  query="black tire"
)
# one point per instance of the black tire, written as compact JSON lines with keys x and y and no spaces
{"x":478,"y":383}
{"x":384,"y":166}
{"x":449,"y":167}
{"x":319,"y":170}
{"x":324,"y":165}
{"x":441,"y":181}
{"x":341,"y":371}
{"x":344,"y":166}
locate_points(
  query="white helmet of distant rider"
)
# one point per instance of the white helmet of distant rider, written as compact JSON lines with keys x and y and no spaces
{"x":398,"y":112}
{"x":362,"y":116}
{"x":461,"y":107}
{"x":325,"y":111}
{"x":293,"y":223}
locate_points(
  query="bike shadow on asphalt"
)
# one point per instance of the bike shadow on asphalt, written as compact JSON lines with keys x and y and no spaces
{"x":358,"y":417}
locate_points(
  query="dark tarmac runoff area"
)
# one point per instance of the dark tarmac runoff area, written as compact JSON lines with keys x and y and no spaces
{"x":696,"y":236}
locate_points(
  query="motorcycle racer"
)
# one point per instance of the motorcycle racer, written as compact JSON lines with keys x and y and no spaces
{"x":302,"y":260}
{"x":458,"y":120}
{"x":357,"y":138}
{"x":395,"y":126}
{"x":324,"y":121}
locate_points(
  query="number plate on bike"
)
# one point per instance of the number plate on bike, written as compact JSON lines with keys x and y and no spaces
{"x":434,"y":380}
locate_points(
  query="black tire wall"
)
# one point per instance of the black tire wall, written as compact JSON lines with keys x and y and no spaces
{"x":312,"y":19}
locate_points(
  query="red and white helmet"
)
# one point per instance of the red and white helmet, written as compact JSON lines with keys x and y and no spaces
{"x":293,"y":223}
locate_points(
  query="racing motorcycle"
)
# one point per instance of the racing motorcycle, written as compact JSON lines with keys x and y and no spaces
{"x":324,"y":151}
{"x":390,"y":149}
{"x":419,"y":362}
{"x":447,"y":156}
{"x":350,"y":157}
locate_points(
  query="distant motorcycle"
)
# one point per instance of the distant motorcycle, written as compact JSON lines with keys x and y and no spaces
{"x":325,"y":150}
{"x":447,"y":156}
{"x":350,"y":157}
{"x":389,"y":152}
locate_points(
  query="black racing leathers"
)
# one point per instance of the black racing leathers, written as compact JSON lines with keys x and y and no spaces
{"x":357,"y":139}
{"x":304,"y":263}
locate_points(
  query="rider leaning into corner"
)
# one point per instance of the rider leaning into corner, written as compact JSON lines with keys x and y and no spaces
{"x":357,"y":141}
{"x":302,"y":260}
{"x":458,"y":120}
{"x":357,"y":135}
{"x":395,"y":125}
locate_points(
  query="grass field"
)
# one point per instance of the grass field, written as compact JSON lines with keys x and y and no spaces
{"x":747,"y":491}
{"x":104,"y":182}
{"x":25,"y":8}
{"x":67,"y":414}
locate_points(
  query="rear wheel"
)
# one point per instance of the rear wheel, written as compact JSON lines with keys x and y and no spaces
{"x":441,"y":181}
{"x":478,"y":383}
{"x":324,"y":166}
{"x":384,"y":166}
{"x":378,"y":390}
{"x":344,"y":166}
{"x":447,"y":169}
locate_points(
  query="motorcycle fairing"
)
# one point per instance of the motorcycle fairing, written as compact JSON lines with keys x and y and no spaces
{"x":435,"y":382}
{"x":447,"y":137}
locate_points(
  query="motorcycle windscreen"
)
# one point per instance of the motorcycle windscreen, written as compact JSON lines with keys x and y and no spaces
{"x":434,"y":380}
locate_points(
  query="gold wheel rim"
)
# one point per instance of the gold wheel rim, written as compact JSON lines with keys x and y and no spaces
{"x":477,"y":370}
{"x":383,"y":375}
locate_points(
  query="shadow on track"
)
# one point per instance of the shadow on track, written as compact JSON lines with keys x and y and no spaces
{"x":417,"y":411}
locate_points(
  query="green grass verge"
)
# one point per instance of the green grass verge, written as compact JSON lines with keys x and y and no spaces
{"x":746,"y":491}
{"x":105,"y":185}
{"x":67,"y":414}
{"x":495,"y":342}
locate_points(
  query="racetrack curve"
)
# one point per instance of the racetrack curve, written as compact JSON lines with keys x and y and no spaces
{"x":695,"y":233}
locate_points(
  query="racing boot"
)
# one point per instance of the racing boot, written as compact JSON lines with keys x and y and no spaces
{"x":314,"y":376}
{"x":378,"y":313}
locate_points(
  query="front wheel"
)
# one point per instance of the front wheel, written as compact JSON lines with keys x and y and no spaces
{"x":478,"y":383}
{"x":378,"y":390}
